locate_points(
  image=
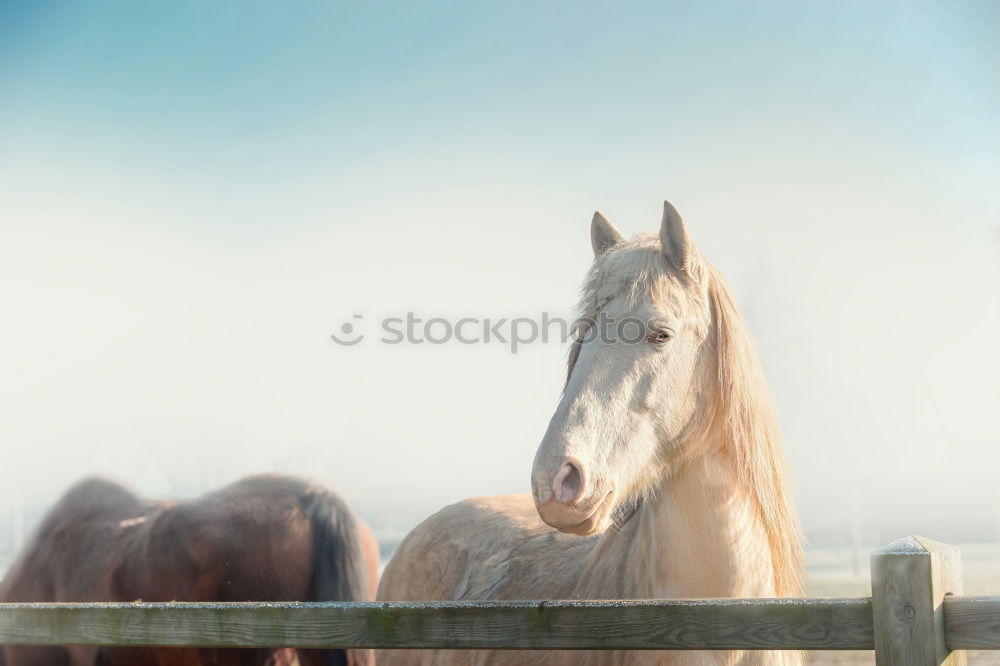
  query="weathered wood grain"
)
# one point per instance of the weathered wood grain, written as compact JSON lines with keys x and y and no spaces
{"x":794,"y":624}
{"x":910,"y":579}
{"x":972,"y":623}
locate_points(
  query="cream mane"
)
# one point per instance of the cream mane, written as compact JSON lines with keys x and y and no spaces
{"x":753,"y":436}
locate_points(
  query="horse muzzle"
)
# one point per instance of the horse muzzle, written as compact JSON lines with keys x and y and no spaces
{"x":569,"y":503}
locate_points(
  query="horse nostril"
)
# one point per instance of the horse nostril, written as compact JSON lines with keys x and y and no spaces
{"x":568,"y":484}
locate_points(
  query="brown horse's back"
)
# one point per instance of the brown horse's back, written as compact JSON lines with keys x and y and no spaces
{"x":263,"y":538}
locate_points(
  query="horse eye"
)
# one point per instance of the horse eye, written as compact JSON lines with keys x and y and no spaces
{"x":660,"y":337}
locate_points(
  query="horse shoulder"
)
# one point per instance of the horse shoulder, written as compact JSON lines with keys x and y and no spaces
{"x":434,"y":559}
{"x":484,"y":548}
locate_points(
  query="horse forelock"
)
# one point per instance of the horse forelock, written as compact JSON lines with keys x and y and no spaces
{"x":637,"y":269}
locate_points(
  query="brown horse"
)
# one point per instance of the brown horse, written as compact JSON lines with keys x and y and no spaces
{"x":263,"y":538}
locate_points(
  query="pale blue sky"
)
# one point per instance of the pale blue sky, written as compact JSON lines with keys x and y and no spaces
{"x":193,"y":195}
{"x":215,"y":97}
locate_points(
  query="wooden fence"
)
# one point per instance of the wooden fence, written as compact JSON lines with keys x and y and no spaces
{"x":916,"y":616}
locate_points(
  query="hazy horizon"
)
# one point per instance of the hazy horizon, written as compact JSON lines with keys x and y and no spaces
{"x":193,"y":199}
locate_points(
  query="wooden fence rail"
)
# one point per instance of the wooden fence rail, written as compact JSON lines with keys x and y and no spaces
{"x":844,"y":624}
{"x":912,"y":618}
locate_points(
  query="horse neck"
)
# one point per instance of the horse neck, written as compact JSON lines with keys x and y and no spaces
{"x":699,"y":535}
{"x":129,"y":547}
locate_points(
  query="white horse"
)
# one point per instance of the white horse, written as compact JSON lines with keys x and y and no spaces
{"x":668,"y":437}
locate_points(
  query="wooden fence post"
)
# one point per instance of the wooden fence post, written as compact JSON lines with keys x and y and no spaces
{"x":910,"y":578}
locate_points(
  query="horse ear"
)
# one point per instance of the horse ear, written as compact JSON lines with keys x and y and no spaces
{"x":677,"y":245}
{"x":603,"y":234}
